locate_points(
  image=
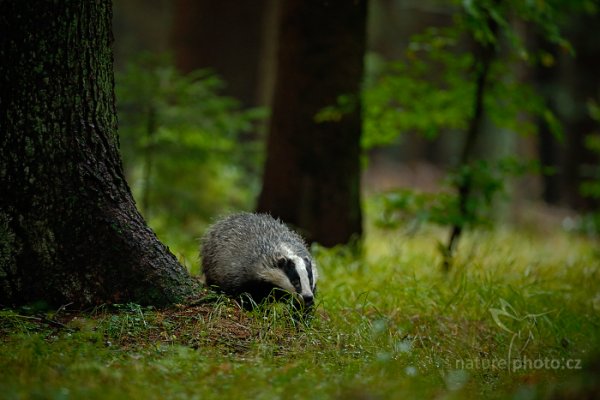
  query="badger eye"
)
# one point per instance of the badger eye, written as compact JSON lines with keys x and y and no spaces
{"x":282,"y":263}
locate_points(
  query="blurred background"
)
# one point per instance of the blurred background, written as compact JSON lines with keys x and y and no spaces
{"x":195,"y":82}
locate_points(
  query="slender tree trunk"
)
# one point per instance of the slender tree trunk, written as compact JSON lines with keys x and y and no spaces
{"x":312,"y":172}
{"x":484,"y":56}
{"x":69,"y":228}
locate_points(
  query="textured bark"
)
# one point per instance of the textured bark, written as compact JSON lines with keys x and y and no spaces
{"x":68,"y":223}
{"x":312,"y":171}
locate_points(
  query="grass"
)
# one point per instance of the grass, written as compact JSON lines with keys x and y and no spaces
{"x":518,"y":317}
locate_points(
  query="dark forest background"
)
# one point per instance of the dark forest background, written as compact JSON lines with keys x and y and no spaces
{"x":195,"y":91}
{"x":440,"y":158}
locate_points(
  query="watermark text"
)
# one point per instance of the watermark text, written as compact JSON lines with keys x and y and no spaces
{"x":523,"y":363}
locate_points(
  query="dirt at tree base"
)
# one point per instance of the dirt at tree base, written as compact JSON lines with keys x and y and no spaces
{"x":206,"y":320}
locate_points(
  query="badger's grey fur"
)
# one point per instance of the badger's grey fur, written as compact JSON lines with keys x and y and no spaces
{"x":254,"y":254}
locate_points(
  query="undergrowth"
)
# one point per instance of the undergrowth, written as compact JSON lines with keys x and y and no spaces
{"x":518,"y":317}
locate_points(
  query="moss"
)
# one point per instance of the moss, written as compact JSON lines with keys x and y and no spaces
{"x":9,"y":248}
{"x":7,"y":240}
{"x":43,"y":242}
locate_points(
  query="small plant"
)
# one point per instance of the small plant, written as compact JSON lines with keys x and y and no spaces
{"x":125,"y":320}
{"x":488,"y":180}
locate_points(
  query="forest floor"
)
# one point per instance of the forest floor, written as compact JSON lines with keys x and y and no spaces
{"x":517,"y":317}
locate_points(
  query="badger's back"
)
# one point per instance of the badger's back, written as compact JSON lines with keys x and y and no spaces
{"x":237,"y":250}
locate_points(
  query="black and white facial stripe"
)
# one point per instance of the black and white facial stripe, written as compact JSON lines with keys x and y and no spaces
{"x":309,"y":271}
{"x":301,"y":275}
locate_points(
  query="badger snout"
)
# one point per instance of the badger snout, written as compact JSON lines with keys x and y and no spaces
{"x":308,"y":300}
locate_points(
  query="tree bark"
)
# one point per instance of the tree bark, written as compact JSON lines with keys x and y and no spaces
{"x":224,"y":36}
{"x":312,"y":172}
{"x":69,"y":227}
{"x":582,"y":83}
{"x":545,"y":79}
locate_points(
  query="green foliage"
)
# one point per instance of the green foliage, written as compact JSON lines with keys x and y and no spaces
{"x":345,"y":105}
{"x":426,"y":93}
{"x":436,"y":88}
{"x":434,"y":84}
{"x":128,"y":321}
{"x":413,"y":208}
{"x":388,"y":325}
{"x":180,"y":144}
{"x":12,"y":321}
{"x":431,"y":90}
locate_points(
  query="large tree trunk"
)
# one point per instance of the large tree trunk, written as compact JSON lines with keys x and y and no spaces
{"x":583,"y":84}
{"x":69,"y":228}
{"x":227,"y":37}
{"x":545,"y":78}
{"x":572,"y":81}
{"x":312,"y":171}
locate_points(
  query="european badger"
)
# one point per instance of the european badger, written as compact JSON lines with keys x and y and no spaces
{"x":253,"y":254}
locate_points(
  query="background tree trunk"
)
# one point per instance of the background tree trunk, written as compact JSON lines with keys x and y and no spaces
{"x":583,"y":84}
{"x":68,"y":224}
{"x":567,"y":86}
{"x":312,"y":172}
{"x":227,"y":37}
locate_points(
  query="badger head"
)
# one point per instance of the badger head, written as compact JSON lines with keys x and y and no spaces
{"x":294,"y":274}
